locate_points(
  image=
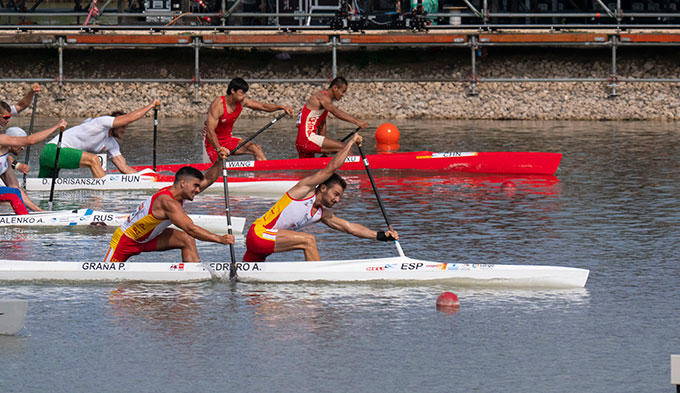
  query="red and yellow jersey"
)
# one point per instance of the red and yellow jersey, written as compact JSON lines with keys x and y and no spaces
{"x":289,"y":213}
{"x":141,"y":226}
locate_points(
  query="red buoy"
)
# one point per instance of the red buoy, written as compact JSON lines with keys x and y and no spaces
{"x":448,"y":302}
{"x":509,"y":188}
{"x":387,"y":134}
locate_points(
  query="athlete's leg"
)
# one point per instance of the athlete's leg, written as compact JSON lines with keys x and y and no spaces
{"x":291,"y":240}
{"x":172,"y":239}
{"x":92,"y":161}
{"x":252,"y":148}
{"x":331,"y":146}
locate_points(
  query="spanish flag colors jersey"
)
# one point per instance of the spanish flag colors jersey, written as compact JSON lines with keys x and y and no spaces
{"x":289,"y":213}
{"x":141,"y":226}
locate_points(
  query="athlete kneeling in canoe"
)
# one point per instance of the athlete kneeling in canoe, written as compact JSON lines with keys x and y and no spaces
{"x":13,"y":141}
{"x":147,"y":228}
{"x":307,"y":202}
{"x":222,"y":114}
{"x":82,"y":143}
{"x":7,"y":111}
{"x":311,"y":137}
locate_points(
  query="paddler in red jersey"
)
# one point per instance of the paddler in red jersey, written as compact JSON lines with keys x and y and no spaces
{"x":311,"y":123}
{"x":222,"y":115}
{"x":147,"y":228}
{"x":309,"y":201}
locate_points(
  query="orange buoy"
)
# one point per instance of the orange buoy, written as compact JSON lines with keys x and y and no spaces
{"x":448,"y":302}
{"x":387,"y":134}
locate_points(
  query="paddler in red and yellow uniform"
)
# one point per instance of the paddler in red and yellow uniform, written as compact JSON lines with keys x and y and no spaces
{"x":311,"y":123}
{"x":309,"y":201}
{"x":222,"y":115}
{"x":147,"y":228}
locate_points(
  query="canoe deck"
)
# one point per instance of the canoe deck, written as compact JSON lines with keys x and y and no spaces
{"x":87,"y":217}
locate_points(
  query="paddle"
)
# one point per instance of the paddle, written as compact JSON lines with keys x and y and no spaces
{"x":30,"y":131}
{"x":155,"y":133}
{"x":350,"y":134}
{"x":232,"y":266}
{"x":271,"y":123}
{"x":377,"y":196}
{"x":56,"y":168}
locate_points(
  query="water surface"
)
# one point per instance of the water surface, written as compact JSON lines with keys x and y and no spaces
{"x":612,"y":208}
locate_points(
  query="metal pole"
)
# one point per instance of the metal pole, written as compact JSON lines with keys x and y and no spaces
{"x":612,"y":86}
{"x":334,"y":43}
{"x":197,"y":71}
{"x":473,"y":74}
{"x":222,"y":17}
{"x":60,"y":78}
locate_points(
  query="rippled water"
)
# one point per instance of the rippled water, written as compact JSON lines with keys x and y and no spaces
{"x":612,"y":208}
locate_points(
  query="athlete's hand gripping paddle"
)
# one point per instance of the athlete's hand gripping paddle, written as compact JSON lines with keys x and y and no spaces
{"x":377,"y":196}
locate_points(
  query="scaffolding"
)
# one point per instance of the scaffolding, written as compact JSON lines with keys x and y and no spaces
{"x":333,"y":43}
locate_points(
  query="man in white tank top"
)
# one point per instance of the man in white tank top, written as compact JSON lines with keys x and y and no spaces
{"x":309,"y":201}
{"x":82,"y":143}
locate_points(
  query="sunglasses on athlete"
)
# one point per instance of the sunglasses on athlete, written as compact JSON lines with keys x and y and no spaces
{"x":6,"y":117}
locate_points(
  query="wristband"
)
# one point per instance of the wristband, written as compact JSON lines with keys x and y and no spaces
{"x":14,"y":164}
{"x":382,"y":237}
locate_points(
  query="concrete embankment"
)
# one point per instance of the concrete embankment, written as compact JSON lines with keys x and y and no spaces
{"x":448,"y":99}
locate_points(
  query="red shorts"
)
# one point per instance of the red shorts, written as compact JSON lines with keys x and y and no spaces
{"x":307,"y":148}
{"x":260,"y":243}
{"x":124,"y":247}
{"x":230,"y":144}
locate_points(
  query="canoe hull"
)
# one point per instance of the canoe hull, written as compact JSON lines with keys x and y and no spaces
{"x":86,"y":217}
{"x":237,"y":186}
{"x":525,"y":163}
{"x":381,"y":269}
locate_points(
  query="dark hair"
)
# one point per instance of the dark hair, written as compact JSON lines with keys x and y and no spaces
{"x":334,"y":179}
{"x":237,"y":84}
{"x":5,"y":106}
{"x":117,"y":113}
{"x":339,"y":82}
{"x":187,"y":171}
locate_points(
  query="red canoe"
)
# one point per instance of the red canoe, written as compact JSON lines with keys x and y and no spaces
{"x":526,"y":163}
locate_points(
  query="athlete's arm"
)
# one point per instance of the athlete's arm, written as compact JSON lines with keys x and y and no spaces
{"x":309,"y":183}
{"x":265,"y":107}
{"x":10,"y":180}
{"x":123,"y":120}
{"x":327,"y":104}
{"x":352,"y":228}
{"x":121,"y":164}
{"x":18,"y":166}
{"x":214,"y":113}
{"x":32,"y":139}
{"x":173,"y":210}
{"x":214,"y":171}
{"x":26,"y":101}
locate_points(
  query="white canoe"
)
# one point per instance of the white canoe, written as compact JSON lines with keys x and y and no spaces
{"x":397,"y":269}
{"x":237,"y":186}
{"x":12,"y":315}
{"x":84,"y":217}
